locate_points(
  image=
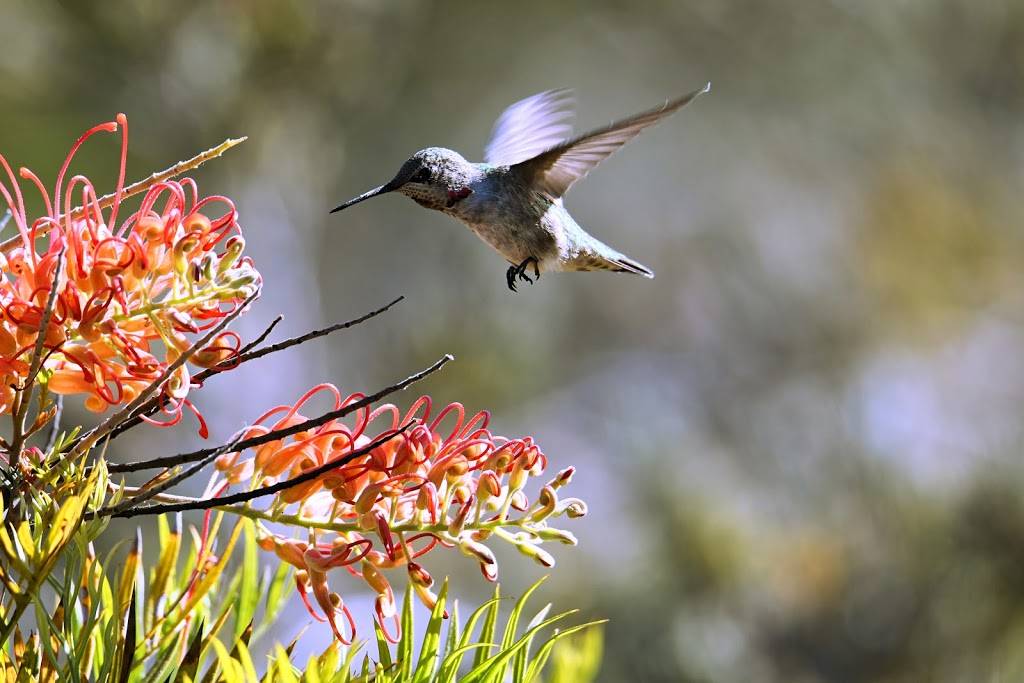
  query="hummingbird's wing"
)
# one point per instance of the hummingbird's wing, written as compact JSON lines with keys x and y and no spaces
{"x":555,"y":170}
{"x":529,"y":127}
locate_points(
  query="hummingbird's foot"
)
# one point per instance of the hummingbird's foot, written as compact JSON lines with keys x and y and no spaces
{"x":519,"y":271}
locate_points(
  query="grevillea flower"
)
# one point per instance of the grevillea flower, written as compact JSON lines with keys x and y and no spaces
{"x":446,"y":481}
{"x":129,"y":293}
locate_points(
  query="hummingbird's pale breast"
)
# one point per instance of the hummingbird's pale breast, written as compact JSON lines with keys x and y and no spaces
{"x":515,"y":220}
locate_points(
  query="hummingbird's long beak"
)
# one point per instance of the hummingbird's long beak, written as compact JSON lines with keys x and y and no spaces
{"x":387,"y":187}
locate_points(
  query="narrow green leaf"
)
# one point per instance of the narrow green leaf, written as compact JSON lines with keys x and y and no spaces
{"x":276,"y":592}
{"x":383,"y":647}
{"x":431,"y":645}
{"x":517,"y":609}
{"x":125,"y":652}
{"x":285,"y":671}
{"x":498,"y":661}
{"x":489,"y":626}
{"x":450,"y":665}
{"x":467,"y":633}
{"x":167,"y":663}
{"x":520,"y":661}
{"x":247,"y":597}
{"x":190,"y":663}
{"x":406,"y":642}
{"x":537,"y":665}
{"x":452,"y":640}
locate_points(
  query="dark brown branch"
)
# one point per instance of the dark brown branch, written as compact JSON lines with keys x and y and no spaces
{"x":263,"y":335}
{"x":301,"y":339}
{"x":181,"y":458}
{"x":246,"y":496}
{"x":159,"y":488}
{"x":247,"y":354}
{"x":25,"y":395}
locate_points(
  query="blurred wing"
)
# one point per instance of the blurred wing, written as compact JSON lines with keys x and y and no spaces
{"x":529,"y":127}
{"x":555,"y":170}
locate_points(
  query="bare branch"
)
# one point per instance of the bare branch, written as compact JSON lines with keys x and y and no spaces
{"x":25,"y":397}
{"x":301,"y":339}
{"x":135,"y":188}
{"x":245,"y":496}
{"x":148,"y":493}
{"x":247,"y":354}
{"x":263,"y":335}
{"x":172,"y":460}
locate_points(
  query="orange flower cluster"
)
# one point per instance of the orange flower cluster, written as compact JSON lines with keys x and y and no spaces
{"x":427,"y":487}
{"x":128,"y":294}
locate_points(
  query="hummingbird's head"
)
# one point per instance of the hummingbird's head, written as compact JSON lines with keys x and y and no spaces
{"x":428,"y":177}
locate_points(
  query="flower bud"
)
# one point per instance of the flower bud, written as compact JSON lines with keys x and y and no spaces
{"x":537,"y":554}
{"x":559,"y":535}
{"x":419,"y":576}
{"x":573,"y":507}
{"x":488,"y":486}
{"x":562,"y":478}
{"x":517,"y":480}
{"x":471,"y":548}
{"x":519,"y":501}
{"x":546,"y":500}
{"x":232,"y":250}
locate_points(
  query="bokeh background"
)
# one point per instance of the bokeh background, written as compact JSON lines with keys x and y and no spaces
{"x":801,"y":443}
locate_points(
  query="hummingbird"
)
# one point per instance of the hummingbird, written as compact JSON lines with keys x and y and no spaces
{"x":513,"y":199}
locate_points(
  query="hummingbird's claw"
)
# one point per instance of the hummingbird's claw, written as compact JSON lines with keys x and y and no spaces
{"x":519,"y":271}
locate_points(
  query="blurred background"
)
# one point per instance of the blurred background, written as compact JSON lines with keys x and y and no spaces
{"x":801,"y":443}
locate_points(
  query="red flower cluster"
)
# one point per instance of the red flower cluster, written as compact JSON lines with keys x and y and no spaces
{"x":429,"y":486}
{"x":129,"y":293}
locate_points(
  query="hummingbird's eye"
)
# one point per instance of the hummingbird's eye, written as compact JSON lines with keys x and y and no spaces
{"x":421,"y":176}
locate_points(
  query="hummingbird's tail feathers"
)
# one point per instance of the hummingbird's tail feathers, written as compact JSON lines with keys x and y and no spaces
{"x":624,"y":265}
{"x":616,"y":263}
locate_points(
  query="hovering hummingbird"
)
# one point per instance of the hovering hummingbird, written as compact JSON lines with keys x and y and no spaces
{"x":513,"y":200}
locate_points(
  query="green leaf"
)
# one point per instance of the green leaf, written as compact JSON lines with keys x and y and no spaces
{"x":545,"y":651}
{"x":499,"y":660}
{"x":432,"y":638}
{"x":405,"y":643}
{"x":467,"y":633}
{"x":125,"y":653}
{"x":383,"y":647}
{"x":513,"y":618}
{"x":520,"y":661}
{"x":247,"y":596}
{"x":190,"y":664}
{"x":275,"y":592}
{"x":450,"y":665}
{"x":489,"y":626}
{"x":452,"y":641}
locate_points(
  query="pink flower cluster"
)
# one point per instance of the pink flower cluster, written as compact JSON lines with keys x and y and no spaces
{"x":129,"y":294}
{"x":446,"y":481}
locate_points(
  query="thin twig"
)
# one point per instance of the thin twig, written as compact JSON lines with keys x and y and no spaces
{"x":148,"y":493}
{"x":263,"y":335}
{"x":245,"y":496}
{"x":181,"y":458}
{"x":135,"y":188}
{"x":247,"y":354}
{"x":51,"y":439}
{"x":89,"y":439}
{"x":301,"y":339}
{"x":25,"y":397}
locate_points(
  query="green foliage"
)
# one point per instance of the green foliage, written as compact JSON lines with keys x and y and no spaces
{"x":192,"y":618}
